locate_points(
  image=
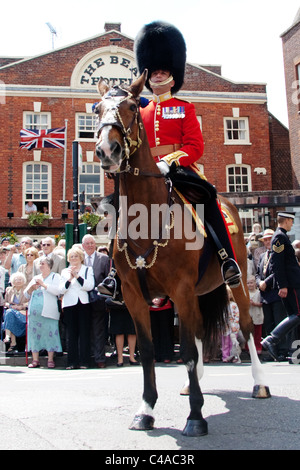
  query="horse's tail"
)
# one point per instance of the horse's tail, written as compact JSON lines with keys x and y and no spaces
{"x":214,"y":309}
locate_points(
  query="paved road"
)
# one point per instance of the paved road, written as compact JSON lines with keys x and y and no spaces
{"x":92,"y":409}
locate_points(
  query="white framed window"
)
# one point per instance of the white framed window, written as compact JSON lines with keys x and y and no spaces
{"x":86,"y":124}
{"x":238,"y":178}
{"x":247,"y":219}
{"x":37,"y":178}
{"x":91,"y":181}
{"x":236,"y":131}
{"x":38,"y":121}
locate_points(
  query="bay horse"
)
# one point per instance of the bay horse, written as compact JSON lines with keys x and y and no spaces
{"x":161,"y":265}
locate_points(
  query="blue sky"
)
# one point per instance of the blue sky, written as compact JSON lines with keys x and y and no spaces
{"x":243,"y":36}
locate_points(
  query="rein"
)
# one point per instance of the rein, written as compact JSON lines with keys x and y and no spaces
{"x":113,"y":118}
{"x":141,"y":265}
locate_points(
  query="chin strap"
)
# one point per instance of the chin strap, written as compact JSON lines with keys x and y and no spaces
{"x":165,"y":82}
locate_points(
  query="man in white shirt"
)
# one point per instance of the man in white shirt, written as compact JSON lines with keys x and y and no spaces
{"x":30,"y":207}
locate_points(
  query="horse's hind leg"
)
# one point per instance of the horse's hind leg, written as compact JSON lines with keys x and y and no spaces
{"x":260,"y":390}
{"x":196,"y":424}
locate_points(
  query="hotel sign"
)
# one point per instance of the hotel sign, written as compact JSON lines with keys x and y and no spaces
{"x":116,"y":65}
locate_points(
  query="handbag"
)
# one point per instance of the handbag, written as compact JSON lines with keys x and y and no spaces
{"x":93,"y":294}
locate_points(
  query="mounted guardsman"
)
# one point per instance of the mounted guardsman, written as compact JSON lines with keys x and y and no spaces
{"x":286,"y":270}
{"x":160,"y":264}
{"x":174,"y":133}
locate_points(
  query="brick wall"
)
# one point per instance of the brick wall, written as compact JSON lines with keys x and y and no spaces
{"x":281,"y":166}
{"x":291,"y":55}
{"x":217,"y":155}
{"x":56,"y":68}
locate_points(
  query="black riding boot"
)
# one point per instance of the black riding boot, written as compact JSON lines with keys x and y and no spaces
{"x":283,"y":328}
{"x":199,"y":191}
{"x":215,"y":225}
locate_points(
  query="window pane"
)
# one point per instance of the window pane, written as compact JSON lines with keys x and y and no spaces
{"x":238,"y":178}
{"x":89,"y":180}
{"x":237,"y":129}
{"x":37,"y":174}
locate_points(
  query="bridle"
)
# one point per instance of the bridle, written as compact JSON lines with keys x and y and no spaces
{"x":112,"y":117}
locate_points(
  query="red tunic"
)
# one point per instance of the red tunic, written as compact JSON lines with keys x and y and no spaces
{"x":173,"y":121}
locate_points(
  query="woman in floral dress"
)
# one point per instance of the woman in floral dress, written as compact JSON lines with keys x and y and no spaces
{"x":43,"y":313}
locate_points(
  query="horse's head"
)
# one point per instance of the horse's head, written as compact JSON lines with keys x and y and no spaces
{"x":118,"y":133}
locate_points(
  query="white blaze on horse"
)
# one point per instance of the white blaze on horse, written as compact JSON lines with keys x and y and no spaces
{"x":161,"y":266}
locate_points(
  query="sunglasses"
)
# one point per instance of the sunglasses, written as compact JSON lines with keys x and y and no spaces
{"x":46,"y":244}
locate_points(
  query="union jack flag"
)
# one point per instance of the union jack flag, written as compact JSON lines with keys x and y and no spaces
{"x":37,"y":139}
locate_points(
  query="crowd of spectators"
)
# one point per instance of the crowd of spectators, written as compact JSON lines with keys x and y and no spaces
{"x":44,"y":291}
{"x":49,"y":289}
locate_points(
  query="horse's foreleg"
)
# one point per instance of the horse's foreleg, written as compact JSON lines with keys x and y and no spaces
{"x":144,"y":418}
{"x":259,"y":390}
{"x":196,"y":424}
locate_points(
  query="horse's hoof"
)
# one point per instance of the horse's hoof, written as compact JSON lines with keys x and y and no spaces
{"x":261,"y":391}
{"x":142,"y":423}
{"x":185,"y":390}
{"x":195,"y":428}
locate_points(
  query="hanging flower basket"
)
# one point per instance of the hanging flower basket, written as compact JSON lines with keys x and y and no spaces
{"x":90,"y":218}
{"x":38,"y":218}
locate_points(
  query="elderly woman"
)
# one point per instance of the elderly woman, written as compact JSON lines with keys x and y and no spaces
{"x":43,"y":313}
{"x":30,"y":254}
{"x":15,"y":316}
{"x":76,"y":281}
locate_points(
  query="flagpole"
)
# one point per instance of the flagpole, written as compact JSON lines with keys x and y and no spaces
{"x":65,"y":162}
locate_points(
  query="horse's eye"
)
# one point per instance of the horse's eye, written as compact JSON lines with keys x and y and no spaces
{"x":133,"y":107}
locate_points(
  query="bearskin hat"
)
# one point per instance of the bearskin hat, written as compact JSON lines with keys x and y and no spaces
{"x":160,"y":46}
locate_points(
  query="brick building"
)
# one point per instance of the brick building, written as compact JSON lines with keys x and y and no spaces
{"x":244,"y":144}
{"x":291,"y":56}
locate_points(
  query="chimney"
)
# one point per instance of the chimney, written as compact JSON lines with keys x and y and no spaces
{"x":112,"y":26}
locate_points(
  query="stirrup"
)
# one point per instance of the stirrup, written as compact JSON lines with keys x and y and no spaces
{"x":109,"y":285}
{"x":233,"y":280}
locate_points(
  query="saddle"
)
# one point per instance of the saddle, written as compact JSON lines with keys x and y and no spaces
{"x":192,"y":185}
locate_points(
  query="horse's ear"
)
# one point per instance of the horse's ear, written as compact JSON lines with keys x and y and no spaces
{"x":137,"y":87}
{"x":103,"y":87}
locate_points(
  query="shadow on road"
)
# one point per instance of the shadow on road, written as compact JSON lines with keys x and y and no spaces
{"x":244,"y":423}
